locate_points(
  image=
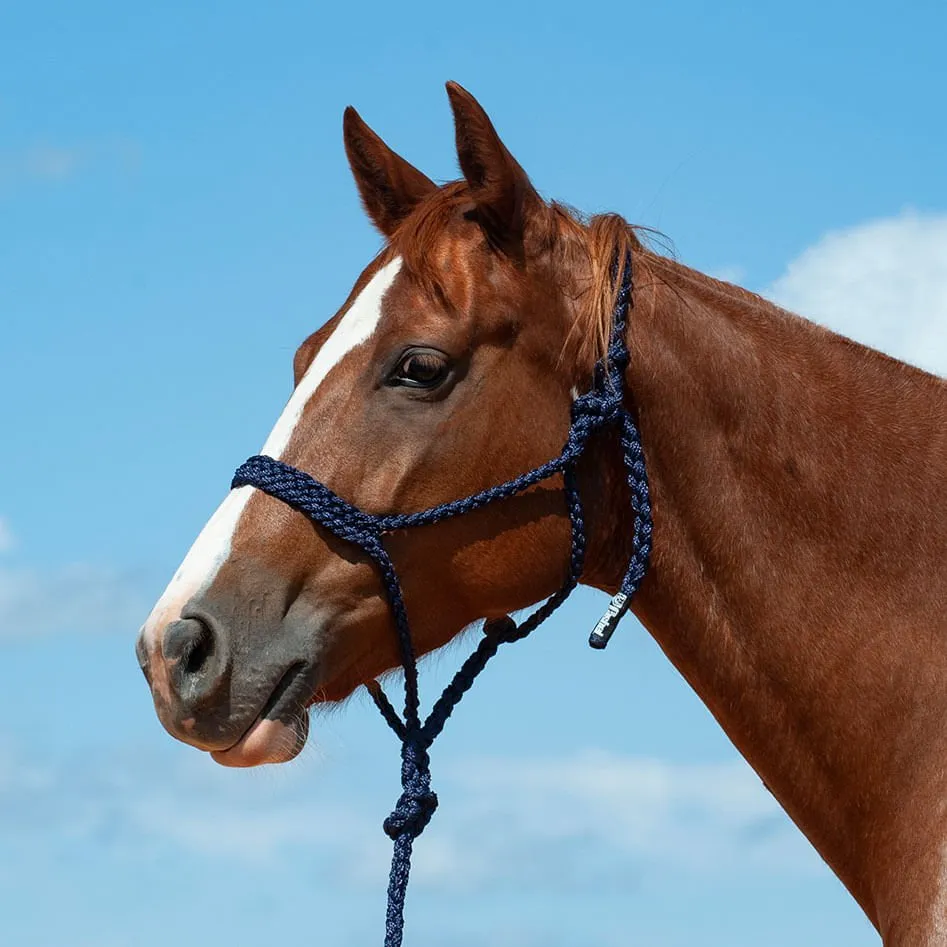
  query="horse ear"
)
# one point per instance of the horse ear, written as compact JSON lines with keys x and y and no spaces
{"x":389,"y":186}
{"x":499,"y":186}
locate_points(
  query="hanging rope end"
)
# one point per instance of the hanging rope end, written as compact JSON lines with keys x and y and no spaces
{"x":607,"y":624}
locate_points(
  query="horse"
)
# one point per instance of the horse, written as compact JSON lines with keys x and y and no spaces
{"x":798,"y":577}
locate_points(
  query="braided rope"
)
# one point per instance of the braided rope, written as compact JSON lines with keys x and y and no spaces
{"x":602,"y":406}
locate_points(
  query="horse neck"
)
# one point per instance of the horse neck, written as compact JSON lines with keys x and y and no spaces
{"x":798,"y":578}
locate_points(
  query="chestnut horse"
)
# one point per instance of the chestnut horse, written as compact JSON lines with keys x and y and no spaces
{"x":799,"y":490}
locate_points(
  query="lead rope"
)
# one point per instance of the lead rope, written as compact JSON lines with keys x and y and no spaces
{"x":600,"y":407}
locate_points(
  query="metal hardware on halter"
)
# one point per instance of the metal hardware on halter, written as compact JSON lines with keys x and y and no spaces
{"x":600,"y":407}
{"x":607,"y":624}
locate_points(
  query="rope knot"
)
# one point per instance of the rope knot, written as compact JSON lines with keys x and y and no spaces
{"x":418,"y":801}
{"x":412,"y":814}
{"x":596,"y":409}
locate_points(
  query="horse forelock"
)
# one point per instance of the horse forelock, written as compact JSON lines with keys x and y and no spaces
{"x":576,"y":251}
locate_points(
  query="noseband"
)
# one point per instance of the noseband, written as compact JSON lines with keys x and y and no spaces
{"x":599,"y":408}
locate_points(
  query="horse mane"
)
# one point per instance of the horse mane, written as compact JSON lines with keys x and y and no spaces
{"x":594,"y":244}
{"x":582,"y":247}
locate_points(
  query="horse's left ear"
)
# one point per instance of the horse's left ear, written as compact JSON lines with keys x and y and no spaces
{"x":500,"y":188}
{"x":389,"y":186}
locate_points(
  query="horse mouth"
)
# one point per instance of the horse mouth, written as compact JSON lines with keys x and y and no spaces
{"x":279,"y":730}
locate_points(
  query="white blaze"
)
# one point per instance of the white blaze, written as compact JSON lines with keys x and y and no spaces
{"x":212,"y":546}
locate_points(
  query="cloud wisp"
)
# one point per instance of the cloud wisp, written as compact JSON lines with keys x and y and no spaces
{"x":78,"y":598}
{"x":51,"y":164}
{"x":81,"y":598}
{"x":596,"y":819}
{"x":7,"y":539}
{"x":586,"y":821}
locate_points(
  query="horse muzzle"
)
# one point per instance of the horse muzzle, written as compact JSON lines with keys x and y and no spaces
{"x":244,"y":708}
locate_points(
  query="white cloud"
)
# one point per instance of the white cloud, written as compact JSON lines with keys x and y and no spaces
{"x":883,"y":283}
{"x":76,"y":598}
{"x":729,"y":274}
{"x":590,"y":820}
{"x":594,"y":817}
{"x":81,"y":597}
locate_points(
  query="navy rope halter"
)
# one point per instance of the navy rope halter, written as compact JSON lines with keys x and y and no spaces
{"x":601,"y":407}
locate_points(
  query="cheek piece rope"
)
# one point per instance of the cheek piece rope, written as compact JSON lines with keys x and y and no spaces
{"x":599,"y":408}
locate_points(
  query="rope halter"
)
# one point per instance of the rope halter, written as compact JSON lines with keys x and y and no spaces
{"x":601,"y":407}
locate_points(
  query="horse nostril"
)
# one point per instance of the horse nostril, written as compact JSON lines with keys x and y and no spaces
{"x":190,"y":647}
{"x":201,"y":650}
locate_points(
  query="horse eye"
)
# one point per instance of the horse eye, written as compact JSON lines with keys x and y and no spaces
{"x":421,"y":368}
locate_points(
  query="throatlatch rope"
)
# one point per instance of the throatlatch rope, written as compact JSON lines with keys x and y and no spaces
{"x":600,"y":407}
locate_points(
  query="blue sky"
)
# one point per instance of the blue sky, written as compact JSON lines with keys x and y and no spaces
{"x":176,"y":215}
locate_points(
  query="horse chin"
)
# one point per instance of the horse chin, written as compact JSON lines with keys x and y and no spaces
{"x":267,"y":741}
{"x":279,"y":732}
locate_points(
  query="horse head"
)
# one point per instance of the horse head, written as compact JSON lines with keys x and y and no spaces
{"x":451,"y":367}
